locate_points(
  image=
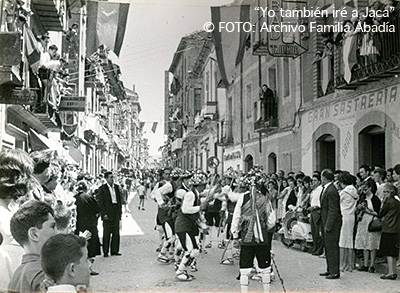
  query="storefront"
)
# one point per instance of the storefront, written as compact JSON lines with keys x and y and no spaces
{"x":361,"y":127}
{"x":232,"y":158}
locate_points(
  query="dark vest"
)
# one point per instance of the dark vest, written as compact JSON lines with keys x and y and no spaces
{"x":165,"y":213}
{"x":187,"y":222}
{"x":263,"y":222}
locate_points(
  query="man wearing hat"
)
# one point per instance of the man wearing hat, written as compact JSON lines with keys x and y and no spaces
{"x":250,"y":218}
{"x":186,"y":227}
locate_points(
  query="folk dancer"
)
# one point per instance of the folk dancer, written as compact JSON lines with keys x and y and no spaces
{"x":250,"y":218}
{"x":186,"y":225}
{"x":164,"y":196}
{"x":183,"y":188}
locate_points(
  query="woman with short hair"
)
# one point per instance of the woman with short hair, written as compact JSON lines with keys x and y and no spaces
{"x":390,"y":215}
{"x":365,"y":240}
{"x":348,"y":203}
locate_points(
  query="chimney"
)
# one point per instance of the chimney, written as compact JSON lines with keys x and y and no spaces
{"x":133,"y":88}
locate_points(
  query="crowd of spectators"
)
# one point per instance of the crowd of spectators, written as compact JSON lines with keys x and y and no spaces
{"x":42,"y":196}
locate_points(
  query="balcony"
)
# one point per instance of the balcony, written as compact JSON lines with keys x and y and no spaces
{"x":225,"y":141}
{"x":386,"y":65}
{"x":176,"y":144}
{"x":268,"y":116}
{"x":263,"y":125}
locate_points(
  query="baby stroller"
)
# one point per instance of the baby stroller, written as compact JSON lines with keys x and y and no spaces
{"x":296,"y":229}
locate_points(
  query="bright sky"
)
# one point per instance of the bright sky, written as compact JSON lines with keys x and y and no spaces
{"x":152,"y":36}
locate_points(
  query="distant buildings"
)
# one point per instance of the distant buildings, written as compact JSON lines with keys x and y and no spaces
{"x":331,"y":104}
{"x":70,"y":99}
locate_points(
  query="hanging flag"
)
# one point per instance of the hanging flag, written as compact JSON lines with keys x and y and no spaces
{"x":106,"y":23}
{"x":229,"y":46}
{"x":349,"y":54}
{"x":326,"y":72}
{"x":154,"y":127}
{"x":32,"y":50}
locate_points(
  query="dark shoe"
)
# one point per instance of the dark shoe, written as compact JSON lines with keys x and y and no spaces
{"x":389,"y":277}
{"x":106,"y":255}
{"x":363,"y":269}
{"x":116,"y":254}
{"x":317,"y":253}
{"x":333,"y":276}
{"x":371,"y":270}
{"x":324,"y":274}
{"x":93,"y":273}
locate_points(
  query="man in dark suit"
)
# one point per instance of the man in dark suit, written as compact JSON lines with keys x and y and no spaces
{"x":109,"y":198}
{"x":331,"y":224}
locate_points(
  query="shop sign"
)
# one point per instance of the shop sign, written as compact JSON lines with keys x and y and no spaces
{"x":277,"y":32}
{"x":18,"y":97}
{"x":359,"y":103}
{"x":72,"y":103}
{"x":233,"y":156}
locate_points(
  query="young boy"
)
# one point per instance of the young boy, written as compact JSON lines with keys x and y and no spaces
{"x":64,"y":259}
{"x":31,"y":226}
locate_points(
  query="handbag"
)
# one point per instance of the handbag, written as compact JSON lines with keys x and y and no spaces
{"x":375,"y":225}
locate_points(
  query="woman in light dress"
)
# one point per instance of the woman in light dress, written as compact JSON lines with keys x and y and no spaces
{"x":365,"y":240}
{"x":348,"y":203}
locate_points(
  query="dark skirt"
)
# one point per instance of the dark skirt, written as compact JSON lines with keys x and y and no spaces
{"x":389,"y":244}
{"x":94,"y":242}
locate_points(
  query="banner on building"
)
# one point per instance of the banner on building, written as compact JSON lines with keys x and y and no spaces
{"x":229,"y":45}
{"x":106,"y":24}
{"x":72,"y":103}
{"x":18,"y":96}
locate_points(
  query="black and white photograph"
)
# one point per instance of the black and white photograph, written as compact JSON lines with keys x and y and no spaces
{"x":199,"y":146}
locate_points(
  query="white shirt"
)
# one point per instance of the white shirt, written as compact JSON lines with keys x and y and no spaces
{"x":159,"y":192}
{"x":112,"y":193}
{"x":45,"y":61}
{"x":315,"y":197}
{"x":188,"y":203}
{"x":180,"y":193}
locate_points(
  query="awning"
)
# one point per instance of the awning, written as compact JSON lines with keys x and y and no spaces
{"x":40,"y":142}
{"x":19,"y":113}
{"x":74,"y":151}
{"x":47,"y":14}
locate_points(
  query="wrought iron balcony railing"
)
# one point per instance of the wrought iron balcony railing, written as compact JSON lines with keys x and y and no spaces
{"x":387,"y":62}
